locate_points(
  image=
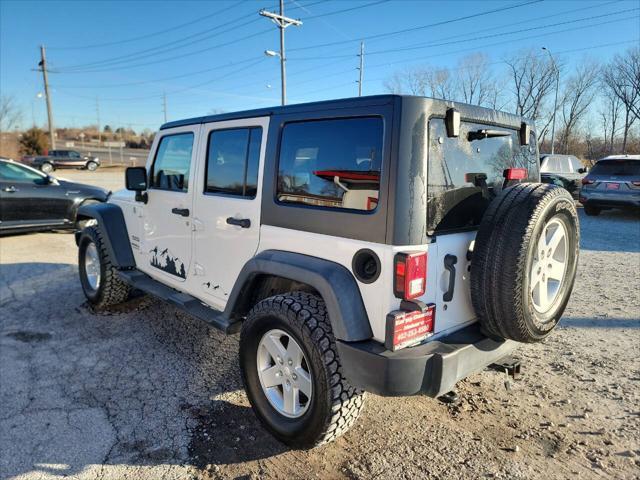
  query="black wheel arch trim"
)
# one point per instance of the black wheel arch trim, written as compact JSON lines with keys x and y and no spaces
{"x":335,"y":284}
{"x":113,"y":229}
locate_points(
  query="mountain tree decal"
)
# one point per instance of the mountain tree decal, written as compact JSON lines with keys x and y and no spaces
{"x":167,"y":262}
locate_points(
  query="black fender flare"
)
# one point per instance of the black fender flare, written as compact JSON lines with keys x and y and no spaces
{"x":335,"y":284}
{"x":113,"y":230}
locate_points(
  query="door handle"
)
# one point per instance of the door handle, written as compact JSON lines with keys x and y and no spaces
{"x":240,"y":222}
{"x":449,"y":264}
{"x":180,"y":211}
{"x":10,"y":189}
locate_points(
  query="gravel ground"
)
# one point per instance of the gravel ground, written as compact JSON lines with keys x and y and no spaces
{"x":146,"y":392}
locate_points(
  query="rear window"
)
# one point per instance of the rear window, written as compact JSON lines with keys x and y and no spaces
{"x":617,"y":167}
{"x":466,"y":173}
{"x":331,"y":163}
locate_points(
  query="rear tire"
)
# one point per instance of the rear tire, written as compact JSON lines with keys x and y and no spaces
{"x":92,"y":166}
{"x":332,"y":405}
{"x":99,"y":278}
{"x":524,"y":262}
{"x":592,"y":211}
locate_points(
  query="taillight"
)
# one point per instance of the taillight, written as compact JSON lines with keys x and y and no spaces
{"x":515,"y":173}
{"x":586,"y":181}
{"x":410,"y":275}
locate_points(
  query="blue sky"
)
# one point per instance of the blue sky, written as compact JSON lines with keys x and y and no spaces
{"x":208,"y":55}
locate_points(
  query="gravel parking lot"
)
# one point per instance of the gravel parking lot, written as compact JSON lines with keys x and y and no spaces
{"x":146,"y":392}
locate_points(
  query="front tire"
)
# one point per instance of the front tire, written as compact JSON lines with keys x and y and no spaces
{"x":99,"y":278}
{"x":292,"y":373}
{"x":46,"y":168}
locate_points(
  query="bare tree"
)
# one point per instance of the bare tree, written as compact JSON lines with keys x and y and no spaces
{"x":609,"y":116}
{"x":533,"y":78}
{"x":578,"y":94}
{"x":476,"y":84}
{"x":410,"y":80}
{"x":423,"y":81}
{"x":622,"y":77}
{"x":10,"y":115}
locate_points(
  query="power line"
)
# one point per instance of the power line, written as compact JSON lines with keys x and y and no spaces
{"x":107,"y":64}
{"x":344,"y":10}
{"x":157,"y":50}
{"x":421,"y":27}
{"x":259,"y":60}
{"x":591,"y":47}
{"x":184,"y":55}
{"x":149,"y":35}
{"x":158,"y":80}
{"x":432,"y":44}
{"x":316,"y":67}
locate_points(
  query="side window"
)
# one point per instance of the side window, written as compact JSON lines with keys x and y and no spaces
{"x":331,"y":163}
{"x":74,"y":155}
{"x":171,"y":166}
{"x":10,"y":172}
{"x":575,"y":164}
{"x":233,"y":157}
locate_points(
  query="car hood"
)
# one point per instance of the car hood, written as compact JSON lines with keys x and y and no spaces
{"x":84,"y":189}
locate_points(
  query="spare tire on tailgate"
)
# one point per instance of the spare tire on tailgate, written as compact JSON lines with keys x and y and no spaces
{"x":524,"y":261}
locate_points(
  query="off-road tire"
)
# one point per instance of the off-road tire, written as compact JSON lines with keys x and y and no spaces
{"x":46,"y":167}
{"x":335,"y":405}
{"x":592,"y":211}
{"x":503,"y":257}
{"x":112,"y":290}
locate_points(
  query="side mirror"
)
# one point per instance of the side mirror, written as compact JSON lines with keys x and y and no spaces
{"x":136,"y":180}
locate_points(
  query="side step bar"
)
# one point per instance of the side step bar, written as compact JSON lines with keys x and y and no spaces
{"x":183,"y":301}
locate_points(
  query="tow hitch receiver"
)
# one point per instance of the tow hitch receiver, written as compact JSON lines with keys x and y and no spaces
{"x":508,"y":365}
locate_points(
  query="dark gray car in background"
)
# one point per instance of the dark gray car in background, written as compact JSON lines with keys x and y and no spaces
{"x":613,"y":182}
{"x":32,"y":201}
{"x":56,"y":159}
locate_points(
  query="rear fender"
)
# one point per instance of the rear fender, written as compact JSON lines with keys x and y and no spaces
{"x":333,"y":282}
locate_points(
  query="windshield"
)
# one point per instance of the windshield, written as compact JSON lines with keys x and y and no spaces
{"x":630,"y":168}
{"x":466,"y":173}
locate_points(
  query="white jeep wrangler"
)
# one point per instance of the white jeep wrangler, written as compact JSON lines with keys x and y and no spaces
{"x":388,"y":244}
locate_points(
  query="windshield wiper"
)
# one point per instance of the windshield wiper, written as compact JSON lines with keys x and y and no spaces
{"x":484,"y":133}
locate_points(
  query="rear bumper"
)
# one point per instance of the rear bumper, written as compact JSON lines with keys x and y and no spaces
{"x":609,"y":199}
{"x":432,"y":368}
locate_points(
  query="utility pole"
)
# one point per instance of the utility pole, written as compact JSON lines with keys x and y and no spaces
{"x":361,"y":68}
{"x":98,"y":117}
{"x":164,"y":106}
{"x":555,"y":101}
{"x":43,"y":68}
{"x":282,"y":22}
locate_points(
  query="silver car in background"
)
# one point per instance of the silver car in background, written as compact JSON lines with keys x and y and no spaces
{"x":613,"y":182}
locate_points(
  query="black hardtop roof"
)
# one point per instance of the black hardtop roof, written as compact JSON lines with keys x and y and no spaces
{"x":343,"y":103}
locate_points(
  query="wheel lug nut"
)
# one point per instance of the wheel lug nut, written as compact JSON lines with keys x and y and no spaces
{"x":278,"y":374}
{"x":290,"y":362}
{"x":294,"y":376}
